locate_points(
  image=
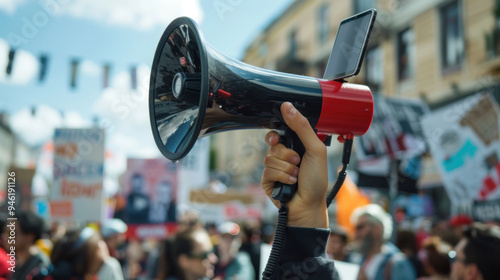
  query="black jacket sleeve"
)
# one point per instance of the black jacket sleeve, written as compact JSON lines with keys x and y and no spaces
{"x":304,"y":255}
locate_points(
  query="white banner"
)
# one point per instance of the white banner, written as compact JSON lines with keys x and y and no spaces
{"x":76,"y":194}
{"x":465,"y":145}
{"x":194,"y":173}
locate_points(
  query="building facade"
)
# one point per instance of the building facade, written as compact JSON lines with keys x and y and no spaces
{"x":438,"y":51}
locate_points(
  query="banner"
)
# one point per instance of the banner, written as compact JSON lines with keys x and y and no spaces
{"x":465,"y":145}
{"x":394,"y":135}
{"x":149,"y":190}
{"x":486,"y":211}
{"x":193,"y":172}
{"x":214,"y":207}
{"x":76,"y":194}
{"x":148,"y":231}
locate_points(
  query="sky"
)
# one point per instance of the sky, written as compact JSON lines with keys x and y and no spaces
{"x":121,"y":33}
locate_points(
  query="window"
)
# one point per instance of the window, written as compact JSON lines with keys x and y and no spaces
{"x":406,"y":54}
{"x":363,"y":5}
{"x":323,"y":23}
{"x":452,"y":42}
{"x":374,"y":68}
{"x":293,"y":44}
{"x":263,"y":49}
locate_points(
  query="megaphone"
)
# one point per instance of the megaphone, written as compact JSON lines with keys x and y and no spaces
{"x":196,"y":91}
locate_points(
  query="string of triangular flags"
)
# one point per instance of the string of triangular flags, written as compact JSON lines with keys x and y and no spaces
{"x":74,"y":65}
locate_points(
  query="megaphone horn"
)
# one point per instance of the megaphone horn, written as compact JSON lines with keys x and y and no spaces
{"x":196,"y":91}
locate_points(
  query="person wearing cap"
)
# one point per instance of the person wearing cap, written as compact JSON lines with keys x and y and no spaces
{"x":233,"y":263}
{"x":458,"y":223}
{"x":380,"y":258}
{"x":113,"y":233}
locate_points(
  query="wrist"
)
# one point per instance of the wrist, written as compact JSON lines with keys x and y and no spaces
{"x":316,"y":217}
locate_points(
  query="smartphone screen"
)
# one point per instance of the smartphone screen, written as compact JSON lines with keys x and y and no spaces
{"x":350,"y":45}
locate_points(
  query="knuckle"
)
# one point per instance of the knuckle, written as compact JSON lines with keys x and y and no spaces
{"x":267,"y":160}
{"x":302,"y":121}
{"x":273,"y":150}
{"x":284,"y":177}
{"x":290,"y":169}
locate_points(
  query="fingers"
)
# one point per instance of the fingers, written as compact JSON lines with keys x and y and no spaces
{"x":272,"y":138}
{"x":275,"y":175}
{"x":300,"y":125}
{"x":281,"y":163}
{"x":285,"y":166}
{"x":279,"y":150}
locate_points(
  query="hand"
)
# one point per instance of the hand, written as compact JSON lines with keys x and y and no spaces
{"x":308,"y":206}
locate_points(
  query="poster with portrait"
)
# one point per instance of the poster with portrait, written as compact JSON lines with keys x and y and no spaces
{"x":149,"y":192}
{"x":465,"y":145}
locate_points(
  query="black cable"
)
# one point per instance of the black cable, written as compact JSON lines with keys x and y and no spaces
{"x":346,"y":155}
{"x":336,"y":187}
{"x":278,"y":242}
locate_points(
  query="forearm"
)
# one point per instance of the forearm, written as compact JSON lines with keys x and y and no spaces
{"x":304,"y":255}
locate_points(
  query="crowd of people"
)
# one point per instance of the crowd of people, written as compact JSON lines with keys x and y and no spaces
{"x":232,"y":251}
{"x":313,"y":249}
{"x":103,"y":252}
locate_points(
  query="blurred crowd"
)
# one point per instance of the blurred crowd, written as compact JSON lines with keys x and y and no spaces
{"x":458,"y":248}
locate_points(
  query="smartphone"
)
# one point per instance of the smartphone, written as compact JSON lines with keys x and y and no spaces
{"x":350,"y":46}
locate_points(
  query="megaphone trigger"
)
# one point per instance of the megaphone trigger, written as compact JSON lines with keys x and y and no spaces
{"x":284,"y":192}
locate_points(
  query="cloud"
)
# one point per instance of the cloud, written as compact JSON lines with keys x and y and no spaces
{"x":142,"y":15}
{"x":36,"y":129}
{"x":10,"y":6}
{"x":24,"y":69}
{"x":90,"y":68}
{"x":124,"y":113}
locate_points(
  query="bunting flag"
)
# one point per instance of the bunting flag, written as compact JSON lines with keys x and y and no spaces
{"x":106,"y":70}
{"x":74,"y":72}
{"x":44,"y":60}
{"x":12,"y":54}
{"x":133,"y":77}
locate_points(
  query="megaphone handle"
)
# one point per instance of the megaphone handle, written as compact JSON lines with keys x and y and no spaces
{"x":284,"y":192}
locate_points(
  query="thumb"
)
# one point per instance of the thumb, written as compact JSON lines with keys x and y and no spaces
{"x":301,"y":126}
